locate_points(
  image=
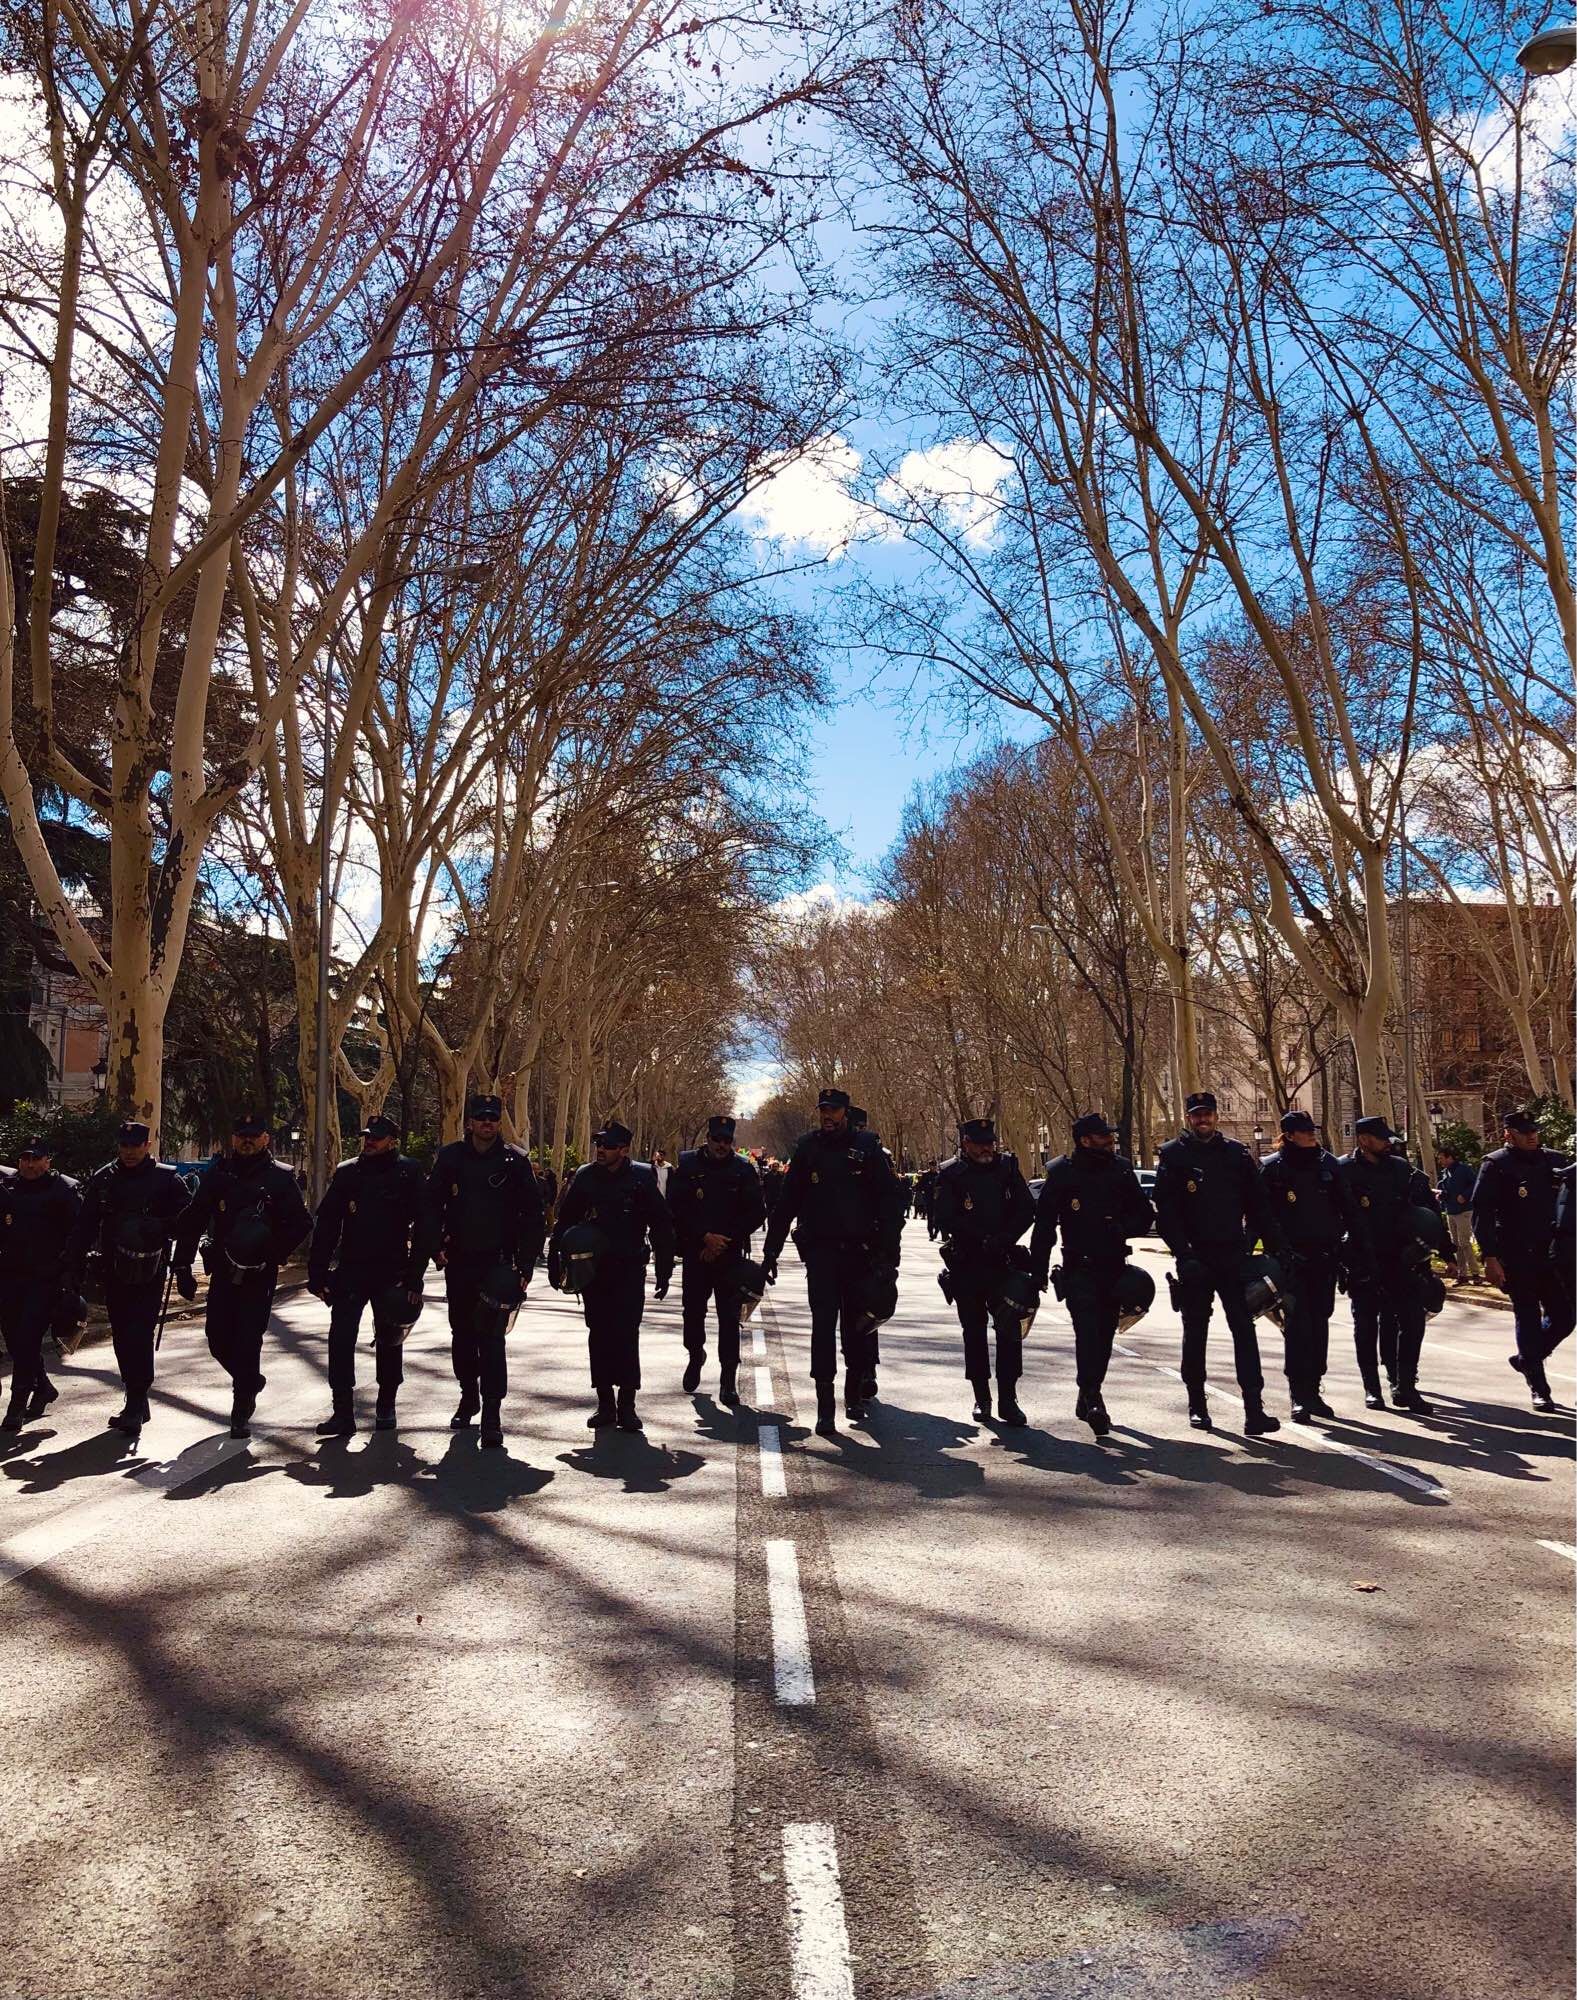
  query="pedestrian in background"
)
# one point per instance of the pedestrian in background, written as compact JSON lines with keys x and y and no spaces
{"x":1454,"y":1191}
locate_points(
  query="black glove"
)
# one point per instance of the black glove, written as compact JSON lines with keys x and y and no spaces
{"x":1192,"y":1271}
{"x":660,"y":1289}
{"x":319,"y":1288}
{"x":769,"y":1269}
{"x":186,"y":1282}
{"x":555,"y":1270}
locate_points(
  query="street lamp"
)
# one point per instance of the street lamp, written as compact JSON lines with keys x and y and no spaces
{"x":1550,"y":51}
{"x":1259,"y":1137}
{"x":100,"y":1074}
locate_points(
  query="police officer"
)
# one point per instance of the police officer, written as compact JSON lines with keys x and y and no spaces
{"x":38,"y":1220}
{"x":620,"y":1196}
{"x":1210,"y":1206}
{"x":982,"y":1208}
{"x":482,"y":1211}
{"x":129,"y":1212}
{"x":1315,"y":1209}
{"x":367,"y":1249}
{"x":1385,"y":1263}
{"x":1514,"y":1220}
{"x":715,"y":1199}
{"x":250,"y":1210}
{"x":840,"y":1190}
{"x":1563,"y":1261}
{"x":1092,"y":1197}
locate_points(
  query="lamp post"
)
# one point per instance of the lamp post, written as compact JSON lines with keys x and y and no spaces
{"x":1551,"y":50}
{"x":100,"y":1074}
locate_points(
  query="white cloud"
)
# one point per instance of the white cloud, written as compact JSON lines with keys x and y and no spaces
{"x":810,"y":502}
{"x":753,"y":1083}
{"x":1549,"y":125}
{"x":824,"y":899}
{"x":960,"y":482}
{"x":813,"y":502}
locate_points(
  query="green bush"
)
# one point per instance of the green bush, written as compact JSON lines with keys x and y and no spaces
{"x":83,"y":1137}
{"x":1555,"y":1122}
{"x":1462,"y":1139}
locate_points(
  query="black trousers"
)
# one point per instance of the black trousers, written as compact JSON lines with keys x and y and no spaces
{"x":235,"y":1318}
{"x":613,"y":1303}
{"x":1388,"y":1330}
{"x":134,"y":1318}
{"x":834,"y":1277}
{"x":1541,"y":1309}
{"x":972,"y":1303}
{"x":27,"y":1306}
{"x":477,"y":1359}
{"x":700,"y":1285}
{"x":1089,"y":1291}
{"x":1306,"y":1323}
{"x":350,"y":1293}
{"x":1210,"y":1278}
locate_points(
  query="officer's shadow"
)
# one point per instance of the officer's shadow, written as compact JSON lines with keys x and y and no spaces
{"x":473,"y":1481}
{"x":1114,"y":1463}
{"x":631,"y":1456}
{"x":912,"y":1449}
{"x":344,"y":1474}
{"x":92,"y":1457}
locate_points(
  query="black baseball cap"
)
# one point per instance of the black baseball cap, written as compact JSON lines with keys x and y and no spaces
{"x":249,"y":1125}
{"x":612,"y":1134}
{"x":1091,"y":1126}
{"x":35,"y":1147}
{"x":484,"y":1106}
{"x":1200,"y":1100}
{"x":833,"y":1100}
{"x":1519,"y":1121}
{"x":380,"y":1127}
{"x":1296,"y":1121}
{"x":978,"y":1131}
{"x":133,"y":1133}
{"x":720,"y":1126}
{"x":1374,"y":1128}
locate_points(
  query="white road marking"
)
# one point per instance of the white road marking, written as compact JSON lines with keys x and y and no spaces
{"x":764,"y":1386}
{"x":769,"y":1452}
{"x":1308,"y":1434}
{"x":758,"y":1343}
{"x":1561,"y":1549}
{"x":793,"y":1682}
{"x":818,"y":1931}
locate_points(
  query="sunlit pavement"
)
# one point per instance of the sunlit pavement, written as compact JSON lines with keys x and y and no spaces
{"x":934,"y":1708}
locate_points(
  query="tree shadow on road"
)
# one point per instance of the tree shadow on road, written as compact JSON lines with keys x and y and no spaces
{"x":240,"y":1469}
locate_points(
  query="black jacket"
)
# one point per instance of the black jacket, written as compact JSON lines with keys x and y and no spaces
{"x":38,"y":1223}
{"x":982,"y":1209}
{"x":1096,"y":1202}
{"x":623,"y":1202}
{"x":128,"y":1207}
{"x":710,"y":1197}
{"x":1312,"y":1199}
{"x":480,"y":1207}
{"x":370,"y":1222}
{"x":1210,"y":1200}
{"x":1384,"y":1192}
{"x":232,"y":1189}
{"x":1514,"y":1203}
{"x":841,"y":1190}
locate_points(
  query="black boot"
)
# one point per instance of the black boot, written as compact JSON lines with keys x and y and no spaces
{"x":982,"y":1389}
{"x":853,"y":1397}
{"x":39,"y":1399}
{"x":130,"y":1420}
{"x":692,"y":1370}
{"x":629,"y":1416}
{"x":1406,"y":1397}
{"x":826,"y":1410}
{"x":1092,"y":1411}
{"x":1318,"y":1407}
{"x":470,"y":1402}
{"x":341,"y":1420}
{"x":384,"y":1417}
{"x":492,"y":1426}
{"x":15,"y":1411}
{"x":1007,"y":1405}
{"x":1257,"y":1420}
{"x":868,"y":1385}
{"x":604,"y":1414}
{"x":1372,"y":1398}
{"x":728,"y":1387}
{"x":1198,"y":1410}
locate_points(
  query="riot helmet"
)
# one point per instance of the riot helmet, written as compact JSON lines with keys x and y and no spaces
{"x":1135,"y":1295}
{"x":497,"y":1300}
{"x":581,"y":1249}
{"x":752,"y":1286}
{"x":248,"y":1244}
{"x":1017,"y":1294}
{"x":136,"y":1247}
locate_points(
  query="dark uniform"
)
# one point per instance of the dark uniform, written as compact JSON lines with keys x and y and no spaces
{"x":1094,"y":1201}
{"x":924,"y":1195}
{"x":708,"y":1196}
{"x":482,"y":1208}
{"x":128,"y":1217}
{"x":366,"y":1245}
{"x":1210,"y":1206}
{"x":1314,"y":1206}
{"x":1563,"y":1261}
{"x":1514,"y":1221}
{"x":1384,"y":1267}
{"x":841,"y":1193}
{"x":38,"y":1222}
{"x":982,"y":1208}
{"x":240,"y":1198}
{"x":624,"y":1203}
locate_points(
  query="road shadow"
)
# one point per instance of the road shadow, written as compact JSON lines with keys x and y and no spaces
{"x":911,"y":1449}
{"x":93,"y":1457}
{"x":468,"y":1480}
{"x":240,"y":1469}
{"x":343,"y":1474}
{"x":1111,"y":1464}
{"x":631,"y":1457}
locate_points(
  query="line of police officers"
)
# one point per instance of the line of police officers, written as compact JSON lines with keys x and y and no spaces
{"x":1366,"y":1223}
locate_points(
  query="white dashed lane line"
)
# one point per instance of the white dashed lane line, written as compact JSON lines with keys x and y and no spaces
{"x":818,"y":1930}
{"x":769,"y":1457}
{"x":793,"y":1682}
{"x":1560,"y":1549}
{"x":1306,"y":1434}
{"x":764,"y":1396}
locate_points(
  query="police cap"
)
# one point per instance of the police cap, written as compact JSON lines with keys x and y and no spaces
{"x":612,"y":1134}
{"x":1519,"y":1121}
{"x":978,"y":1131}
{"x":1296,"y":1121}
{"x":35,"y":1147}
{"x":1374,"y":1128}
{"x":833,"y":1100}
{"x":859,"y":1117}
{"x":1200,"y":1100}
{"x":133,"y":1133}
{"x":484,"y":1105}
{"x":249,"y":1125}
{"x":380,"y":1127}
{"x":1091,"y":1126}
{"x":720,"y":1126}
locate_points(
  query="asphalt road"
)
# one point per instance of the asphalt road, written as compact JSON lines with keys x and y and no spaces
{"x":934,"y":1709}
